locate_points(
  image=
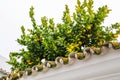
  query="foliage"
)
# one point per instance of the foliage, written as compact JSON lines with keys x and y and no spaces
{"x":49,"y":40}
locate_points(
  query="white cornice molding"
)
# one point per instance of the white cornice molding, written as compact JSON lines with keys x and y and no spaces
{"x":95,"y":68}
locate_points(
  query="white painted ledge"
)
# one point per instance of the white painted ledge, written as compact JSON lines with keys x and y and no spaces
{"x":98,"y":67}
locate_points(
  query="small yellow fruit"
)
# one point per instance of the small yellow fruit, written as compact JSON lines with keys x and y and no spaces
{"x":89,"y":27}
{"x":84,"y":30}
{"x":71,"y":47}
{"x":116,"y":35}
{"x":88,"y":35}
{"x":119,"y":29}
{"x":80,"y":43}
{"x":100,"y":43}
{"x":52,"y":26}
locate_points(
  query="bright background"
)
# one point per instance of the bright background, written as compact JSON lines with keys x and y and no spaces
{"x":15,"y":13}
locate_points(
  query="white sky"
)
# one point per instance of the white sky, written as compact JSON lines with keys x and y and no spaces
{"x":15,"y":13}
